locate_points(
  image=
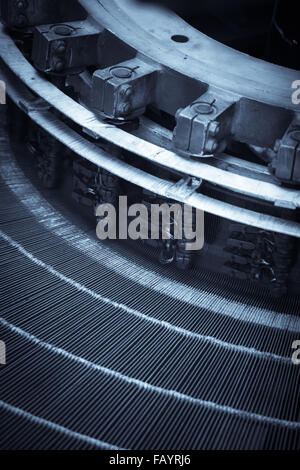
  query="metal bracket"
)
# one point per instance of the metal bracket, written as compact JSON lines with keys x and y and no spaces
{"x":124,"y":90}
{"x":58,"y":48}
{"x":203,"y":127}
{"x":286,"y":163}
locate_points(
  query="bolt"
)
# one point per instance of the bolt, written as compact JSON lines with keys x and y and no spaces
{"x":22,"y":20}
{"x":277,"y":145}
{"x":60,"y":47}
{"x":58,"y":66}
{"x":21,"y":4}
{"x":126,"y":91}
{"x":125,"y":109}
{"x":214,"y":128}
{"x":211,"y":146}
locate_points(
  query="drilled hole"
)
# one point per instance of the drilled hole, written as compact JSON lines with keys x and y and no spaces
{"x":180,"y":38}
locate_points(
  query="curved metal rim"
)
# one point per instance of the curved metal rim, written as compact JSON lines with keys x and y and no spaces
{"x":89,"y":151}
{"x":149,"y":32}
{"x":91,"y":124}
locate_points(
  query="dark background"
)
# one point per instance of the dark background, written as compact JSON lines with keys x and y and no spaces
{"x":267,"y":29}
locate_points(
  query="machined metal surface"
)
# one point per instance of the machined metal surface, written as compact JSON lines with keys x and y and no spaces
{"x":92,"y":125}
{"x":142,"y":179}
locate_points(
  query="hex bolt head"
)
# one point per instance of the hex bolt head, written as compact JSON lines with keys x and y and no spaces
{"x":126,"y":91}
{"x":21,"y":4}
{"x":59,"y":66}
{"x":211,"y":146}
{"x":277,"y":145}
{"x":22,"y":20}
{"x":126,"y":108}
{"x":214,"y":128}
{"x":60,"y":47}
